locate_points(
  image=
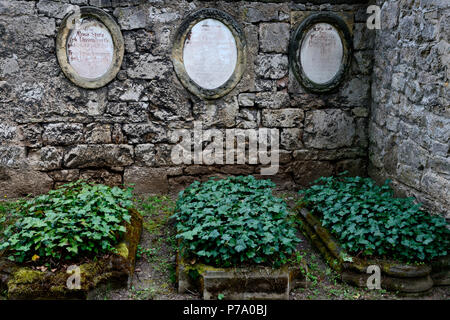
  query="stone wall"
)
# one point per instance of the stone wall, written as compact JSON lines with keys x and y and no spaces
{"x":52,"y":131}
{"x":410,"y":116}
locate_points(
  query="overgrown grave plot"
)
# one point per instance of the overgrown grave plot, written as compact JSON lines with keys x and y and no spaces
{"x":235,"y":240}
{"x":69,"y":242}
{"x":356,"y":224}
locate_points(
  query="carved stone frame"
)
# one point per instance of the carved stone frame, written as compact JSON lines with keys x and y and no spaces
{"x":296,"y":43}
{"x":177,"y":52}
{"x":118,"y":51}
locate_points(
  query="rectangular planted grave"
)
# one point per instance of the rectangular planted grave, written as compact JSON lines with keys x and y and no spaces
{"x":238,"y":225}
{"x":237,"y":283}
{"x":74,"y":282}
{"x":405,"y":278}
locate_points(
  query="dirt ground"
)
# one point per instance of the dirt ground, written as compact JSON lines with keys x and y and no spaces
{"x":155,"y":277}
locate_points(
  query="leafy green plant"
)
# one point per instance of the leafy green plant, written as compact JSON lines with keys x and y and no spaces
{"x":367,"y":219}
{"x":234,"y":220}
{"x":74,"y":220}
{"x":8,"y":213}
{"x":148,"y":253}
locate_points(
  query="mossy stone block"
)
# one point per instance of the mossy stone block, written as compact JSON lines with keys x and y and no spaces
{"x":22,"y":282}
{"x":237,"y":283}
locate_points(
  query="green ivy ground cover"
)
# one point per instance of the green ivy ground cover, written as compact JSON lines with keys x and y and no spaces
{"x":77,"y":219}
{"x":368,"y":220}
{"x":234,"y":221}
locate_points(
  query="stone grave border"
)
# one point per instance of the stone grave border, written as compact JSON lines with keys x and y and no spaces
{"x":296,"y":42}
{"x":406,"y":279}
{"x":178,"y":46}
{"x":118,"y":52}
{"x":22,"y":282}
{"x":238,"y":283}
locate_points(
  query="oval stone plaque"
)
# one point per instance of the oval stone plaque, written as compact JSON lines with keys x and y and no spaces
{"x":90,"y":49}
{"x":210,"y":53}
{"x":321,"y":53}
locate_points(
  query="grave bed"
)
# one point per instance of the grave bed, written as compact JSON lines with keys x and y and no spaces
{"x":406,"y":279}
{"x":115,"y":270}
{"x":239,"y":283}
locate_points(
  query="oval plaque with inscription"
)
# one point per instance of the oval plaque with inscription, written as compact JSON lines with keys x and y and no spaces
{"x":89,"y":47}
{"x":320,"y":52}
{"x":209,"y":53}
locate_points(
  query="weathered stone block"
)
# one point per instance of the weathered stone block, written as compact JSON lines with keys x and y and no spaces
{"x":248,"y":119}
{"x":108,"y":155}
{"x":274,"y":37}
{"x":236,"y":283}
{"x":31,"y":135}
{"x":291,"y":138}
{"x":46,"y":158}
{"x":412,"y":154}
{"x":7,"y":132}
{"x":12,"y":157}
{"x":130,"y":18}
{"x":102,"y":176}
{"x":145,"y":154}
{"x":148,"y":67}
{"x":363,"y":37}
{"x":54,"y":9}
{"x":63,"y":133}
{"x":14,"y":8}
{"x":144,"y":132}
{"x":66,"y":175}
{"x":169,"y":100}
{"x":284,"y":118}
{"x":329,"y":129}
{"x":20,"y":183}
{"x":246,"y":99}
{"x":356,"y":92}
{"x":98,"y":133}
{"x":147,"y":180}
{"x":222,"y":113}
{"x":261,"y":12}
{"x":363,"y":62}
{"x":273,"y":100}
{"x":271,"y":66}
{"x":436,"y":185}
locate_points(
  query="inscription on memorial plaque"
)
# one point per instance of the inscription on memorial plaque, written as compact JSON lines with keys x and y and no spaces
{"x":210,"y":53}
{"x":321,"y":53}
{"x":90,"y":49}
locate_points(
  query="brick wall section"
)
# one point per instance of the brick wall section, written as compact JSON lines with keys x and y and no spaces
{"x":52,"y":132}
{"x":410,"y":116}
